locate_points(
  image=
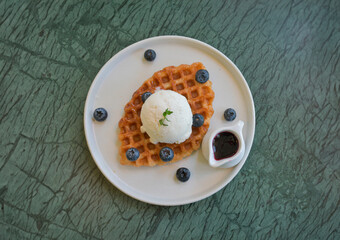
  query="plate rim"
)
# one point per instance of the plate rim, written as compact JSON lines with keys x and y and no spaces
{"x":232,"y":174}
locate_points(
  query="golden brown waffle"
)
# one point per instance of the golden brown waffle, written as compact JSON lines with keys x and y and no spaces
{"x":182,"y":80}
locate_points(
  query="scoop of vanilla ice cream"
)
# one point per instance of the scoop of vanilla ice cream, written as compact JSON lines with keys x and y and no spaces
{"x":178,"y":127}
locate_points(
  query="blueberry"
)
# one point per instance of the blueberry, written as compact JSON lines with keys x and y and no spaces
{"x":150,"y":55}
{"x":202,"y":76}
{"x":100,"y":114}
{"x":166,"y":154}
{"x":197,"y":120}
{"x":229,"y":114}
{"x":145,"y":96}
{"x":183,"y":174}
{"x":132,"y":154}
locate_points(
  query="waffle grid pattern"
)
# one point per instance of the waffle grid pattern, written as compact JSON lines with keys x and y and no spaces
{"x":182,"y":80}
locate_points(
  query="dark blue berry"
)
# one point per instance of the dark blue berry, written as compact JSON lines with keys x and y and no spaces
{"x":145,"y":96}
{"x":183,"y":174}
{"x":100,"y":114}
{"x":132,"y":154}
{"x":229,"y":114}
{"x":166,"y":154}
{"x":202,"y":76}
{"x":197,"y":120}
{"x":150,"y":55}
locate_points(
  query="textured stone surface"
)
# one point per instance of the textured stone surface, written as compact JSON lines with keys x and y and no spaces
{"x":50,"y":51}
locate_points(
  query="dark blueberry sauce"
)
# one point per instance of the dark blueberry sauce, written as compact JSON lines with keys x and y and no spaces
{"x":225,"y":145}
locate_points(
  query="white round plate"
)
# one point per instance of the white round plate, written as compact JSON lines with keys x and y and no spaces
{"x":112,"y":89}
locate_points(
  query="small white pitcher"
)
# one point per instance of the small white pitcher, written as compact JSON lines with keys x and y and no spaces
{"x":207,"y":146}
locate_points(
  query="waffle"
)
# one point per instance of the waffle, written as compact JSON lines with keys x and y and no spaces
{"x":182,"y":80}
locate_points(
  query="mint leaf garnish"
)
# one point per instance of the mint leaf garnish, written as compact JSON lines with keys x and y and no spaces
{"x":165,"y":113}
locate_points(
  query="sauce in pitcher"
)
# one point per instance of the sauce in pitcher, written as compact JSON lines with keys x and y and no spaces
{"x":225,"y":145}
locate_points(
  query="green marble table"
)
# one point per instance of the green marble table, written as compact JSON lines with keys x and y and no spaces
{"x":288,"y":51}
